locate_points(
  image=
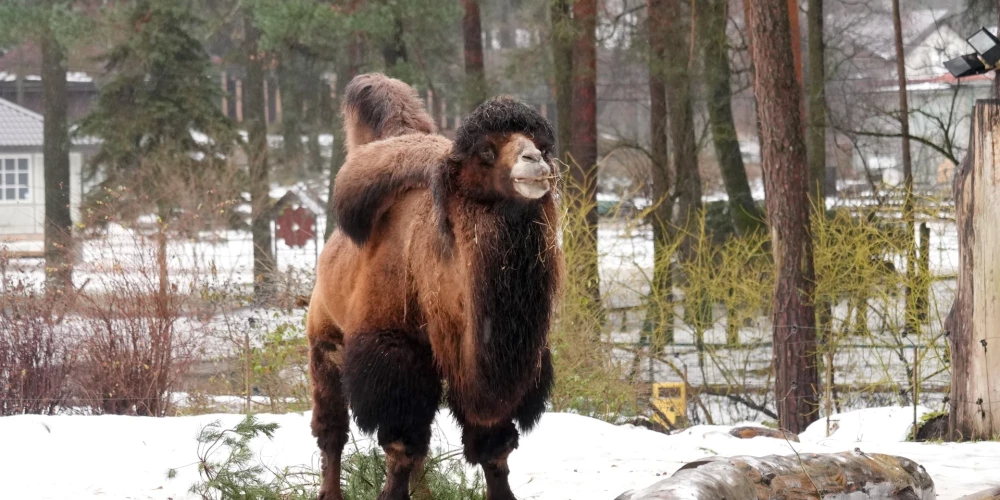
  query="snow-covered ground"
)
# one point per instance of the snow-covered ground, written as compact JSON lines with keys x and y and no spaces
{"x":566,"y":457}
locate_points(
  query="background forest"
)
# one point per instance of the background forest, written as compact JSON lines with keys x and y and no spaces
{"x":763,"y":220}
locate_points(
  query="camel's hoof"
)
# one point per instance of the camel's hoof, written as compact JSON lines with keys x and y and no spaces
{"x":500,"y":496}
{"x":394,"y":495}
{"x":330,"y":495}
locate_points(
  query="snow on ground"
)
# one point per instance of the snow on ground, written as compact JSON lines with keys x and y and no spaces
{"x":566,"y":457}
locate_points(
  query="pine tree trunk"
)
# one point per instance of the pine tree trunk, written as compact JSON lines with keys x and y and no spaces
{"x":659,"y":314}
{"x":161,"y":251}
{"x":19,"y":83}
{"x":742,"y":209}
{"x":680,"y":109}
{"x":816,"y":133}
{"x":793,"y":21}
{"x":507,"y":28}
{"x":583,"y":142}
{"x":562,"y":63}
{"x":347,"y":68}
{"x":315,"y":150}
{"x":394,"y":51}
{"x":747,"y":14}
{"x":290,"y":77}
{"x":904,"y":129}
{"x":475,"y":74}
{"x":973,"y":325}
{"x":254,"y":113}
{"x":817,"y":103}
{"x":786,"y":186}
{"x":58,"y":219}
{"x":316,"y":109}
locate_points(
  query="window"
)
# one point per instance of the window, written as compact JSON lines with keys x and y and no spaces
{"x":15,"y":179}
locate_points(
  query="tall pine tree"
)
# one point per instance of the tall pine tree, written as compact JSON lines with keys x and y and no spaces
{"x":786,"y":188}
{"x":158,"y":117}
{"x":53,"y":25}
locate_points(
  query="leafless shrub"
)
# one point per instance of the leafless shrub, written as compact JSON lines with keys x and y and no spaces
{"x":36,"y":359}
{"x":131,"y":354}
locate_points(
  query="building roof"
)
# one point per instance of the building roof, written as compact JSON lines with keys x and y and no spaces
{"x":19,"y":126}
{"x":22,"y":127}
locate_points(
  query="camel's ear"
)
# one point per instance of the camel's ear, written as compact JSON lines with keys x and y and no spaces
{"x":440,"y":189}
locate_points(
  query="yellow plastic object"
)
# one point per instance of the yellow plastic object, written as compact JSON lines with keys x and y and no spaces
{"x":670,"y":401}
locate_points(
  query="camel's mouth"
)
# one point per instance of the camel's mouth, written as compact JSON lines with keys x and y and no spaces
{"x":544,"y":178}
{"x":532,"y":187}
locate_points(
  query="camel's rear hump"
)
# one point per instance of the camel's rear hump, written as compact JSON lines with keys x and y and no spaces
{"x":378,"y":107}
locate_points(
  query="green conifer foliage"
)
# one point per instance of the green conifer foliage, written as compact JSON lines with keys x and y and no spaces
{"x":158,"y":116}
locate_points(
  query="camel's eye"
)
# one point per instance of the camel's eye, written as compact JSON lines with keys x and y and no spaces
{"x":488,"y":155}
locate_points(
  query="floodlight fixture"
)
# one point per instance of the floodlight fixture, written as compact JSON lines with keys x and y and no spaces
{"x":986,"y":45}
{"x":966,"y":65}
{"x":986,"y":58}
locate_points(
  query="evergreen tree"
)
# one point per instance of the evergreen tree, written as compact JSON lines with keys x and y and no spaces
{"x":562,"y":69}
{"x":158,"y":116}
{"x":712,"y":29}
{"x":658,"y":317}
{"x":308,"y":38}
{"x":583,"y":146}
{"x":475,"y":74}
{"x":53,"y":25}
{"x":257,"y":157}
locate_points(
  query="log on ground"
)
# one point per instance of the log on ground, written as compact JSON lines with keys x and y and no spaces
{"x":750,"y":432}
{"x":990,"y":494}
{"x":807,"y":476}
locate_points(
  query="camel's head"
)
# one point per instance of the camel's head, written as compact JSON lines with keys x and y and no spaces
{"x":502,"y":151}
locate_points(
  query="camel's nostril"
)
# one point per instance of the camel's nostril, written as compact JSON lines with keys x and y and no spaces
{"x":532,"y":157}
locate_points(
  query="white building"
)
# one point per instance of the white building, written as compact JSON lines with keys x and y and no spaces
{"x":22,"y":178}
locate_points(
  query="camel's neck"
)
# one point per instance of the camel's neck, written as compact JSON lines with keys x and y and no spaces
{"x":515,"y":272}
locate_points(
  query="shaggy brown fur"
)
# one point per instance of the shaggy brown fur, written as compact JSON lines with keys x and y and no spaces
{"x":440,"y":271}
{"x":379,"y":107}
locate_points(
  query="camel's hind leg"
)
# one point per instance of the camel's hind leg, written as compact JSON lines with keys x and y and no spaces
{"x":330,"y":423}
{"x":393,"y":387}
{"x":489,"y":448}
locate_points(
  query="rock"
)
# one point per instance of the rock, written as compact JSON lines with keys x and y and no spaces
{"x":748,"y":432}
{"x":851,"y":474}
{"x":652,"y":425}
{"x":934,"y":428}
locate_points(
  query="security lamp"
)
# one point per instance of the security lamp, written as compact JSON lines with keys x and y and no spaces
{"x":983,"y":61}
{"x":966,"y":65}
{"x":986,"y":45}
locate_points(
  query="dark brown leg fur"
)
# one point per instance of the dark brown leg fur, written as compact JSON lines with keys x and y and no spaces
{"x":489,"y":447}
{"x":400,"y":462}
{"x":394,"y":389}
{"x":329,"y":420}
